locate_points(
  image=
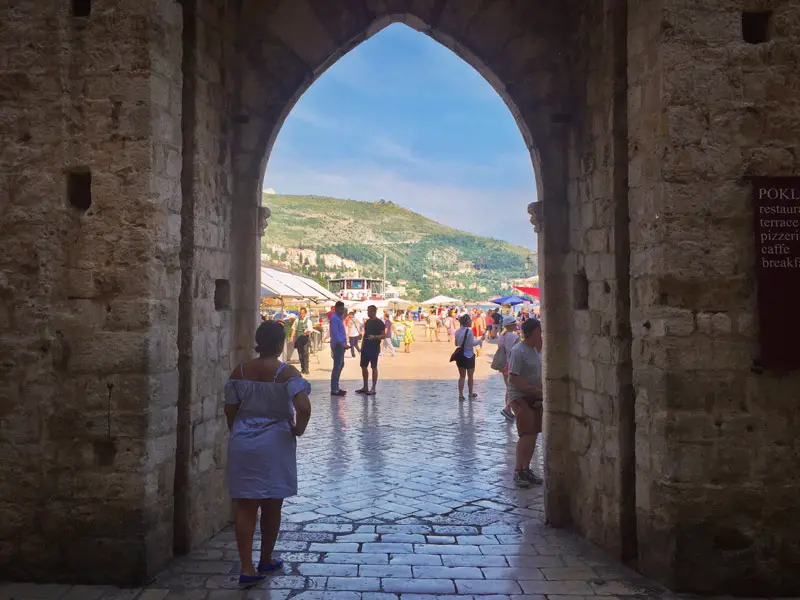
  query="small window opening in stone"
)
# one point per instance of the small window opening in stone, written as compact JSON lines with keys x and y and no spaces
{"x":79,"y":188}
{"x":222,"y":294}
{"x":581,"y":290}
{"x":81,"y":8}
{"x":755,"y":26}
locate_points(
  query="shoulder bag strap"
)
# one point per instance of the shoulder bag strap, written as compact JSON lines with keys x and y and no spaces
{"x":467,"y":331}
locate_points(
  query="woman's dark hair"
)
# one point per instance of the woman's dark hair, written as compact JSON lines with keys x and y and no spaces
{"x":270,"y":337}
{"x":465,"y":321}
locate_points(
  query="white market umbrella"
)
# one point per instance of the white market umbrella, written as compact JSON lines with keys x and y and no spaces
{"x":398,"y":303}
{"x":440,"y":300}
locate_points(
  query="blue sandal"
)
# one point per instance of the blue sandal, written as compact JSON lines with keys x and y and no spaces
{"x":270,"y":567}
{"x":247,"y":581}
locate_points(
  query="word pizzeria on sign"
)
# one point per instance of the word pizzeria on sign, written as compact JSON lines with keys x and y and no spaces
{"x":776,"y":203}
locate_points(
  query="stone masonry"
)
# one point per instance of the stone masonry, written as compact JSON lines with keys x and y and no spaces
{"x":133,"y":139}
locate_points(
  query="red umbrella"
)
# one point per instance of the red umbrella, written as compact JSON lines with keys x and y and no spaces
{"x":530,"y":291}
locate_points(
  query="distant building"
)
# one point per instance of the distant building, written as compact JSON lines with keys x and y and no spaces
{"x":356,"y":289}
{"x":301,"y":256}
{"x":276,"y":249}
{"x":334,"y":261}
{"x":465,"y":266}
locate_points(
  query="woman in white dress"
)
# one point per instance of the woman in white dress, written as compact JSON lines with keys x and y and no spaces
{"x":267,"y":406}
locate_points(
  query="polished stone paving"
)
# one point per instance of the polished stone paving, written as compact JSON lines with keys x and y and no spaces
{"x":405,"y":495}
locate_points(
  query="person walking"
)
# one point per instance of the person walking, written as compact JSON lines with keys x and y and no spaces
{"x":302,"y":330}
{"x":432,"y":327}
{"x":338,"y":348}
{"x":505,"y":344}
{"x":450,"y":325}
{"x":267,"y":407}
{"x":465,"y":339}
{"x":288,"y":324}
{"x":408,"y":334}
{"x":497,"y":321}
{"x":525,"y":396}
{"x":387,"y":344}
{"x":478,"y":329}
{"x":353,"y":333}
{"x":374,"y":335}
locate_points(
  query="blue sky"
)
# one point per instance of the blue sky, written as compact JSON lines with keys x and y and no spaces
{"x":403,"y":118}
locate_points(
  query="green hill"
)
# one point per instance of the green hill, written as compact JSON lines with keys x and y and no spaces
{"x":416,"y":247}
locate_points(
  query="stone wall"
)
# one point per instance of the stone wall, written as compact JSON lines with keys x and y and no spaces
{"x":206,"y":319}
{"x":591,"y":451}
{"x":718,"y":442}
{"x":89,"y":290}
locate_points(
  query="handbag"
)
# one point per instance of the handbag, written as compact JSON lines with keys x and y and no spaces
{"x":500,"y":360}
{"x":459,"y":352}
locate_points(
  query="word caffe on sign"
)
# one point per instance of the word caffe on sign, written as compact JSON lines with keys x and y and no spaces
{"x":776,"y":201}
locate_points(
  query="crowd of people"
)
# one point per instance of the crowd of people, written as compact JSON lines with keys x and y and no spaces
{"x":267,"y":401}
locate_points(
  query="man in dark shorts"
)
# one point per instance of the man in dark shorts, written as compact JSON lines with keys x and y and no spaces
{"x":525,"y":398}
{"x":374,"y":332}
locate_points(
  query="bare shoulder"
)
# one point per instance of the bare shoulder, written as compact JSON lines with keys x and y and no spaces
{"x":288,"y":372}
{"x":238,"y":370}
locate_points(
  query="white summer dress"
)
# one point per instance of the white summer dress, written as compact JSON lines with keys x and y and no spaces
{"x":262,"y":457}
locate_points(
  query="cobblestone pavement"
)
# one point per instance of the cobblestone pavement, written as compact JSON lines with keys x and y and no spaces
{"x":408,"y":495}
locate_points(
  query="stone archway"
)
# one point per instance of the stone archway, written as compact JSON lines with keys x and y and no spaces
{"x":133,"y":140}
{"x":524,"y":53}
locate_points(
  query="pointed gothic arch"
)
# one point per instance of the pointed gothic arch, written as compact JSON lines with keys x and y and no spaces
{"x":522,"y":53}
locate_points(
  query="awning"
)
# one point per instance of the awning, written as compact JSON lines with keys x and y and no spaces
{"x":530,"y":291}
{"x":277,"y":283}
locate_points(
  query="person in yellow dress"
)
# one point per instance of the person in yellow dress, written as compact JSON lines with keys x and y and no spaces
{"x":408,"y":333}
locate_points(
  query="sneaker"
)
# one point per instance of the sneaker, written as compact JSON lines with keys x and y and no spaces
{"x":521,"y":479}
{"x":339,"y":393}
{"x":532,"y":477}
{"x":507,"y":414}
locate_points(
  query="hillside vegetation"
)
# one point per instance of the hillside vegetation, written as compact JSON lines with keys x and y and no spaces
{"x":418,"y":249}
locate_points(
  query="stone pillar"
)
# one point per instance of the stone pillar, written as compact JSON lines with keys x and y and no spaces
{"x":250,"y":221}
{"x":589,"y":380}
{"x":207,"y":294}
{"x":89,"y":275}
{"x":550,"y":219}
{"x":718,"y":486}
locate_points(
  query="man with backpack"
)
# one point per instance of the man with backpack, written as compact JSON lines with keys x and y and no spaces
{"x":505,"y":344}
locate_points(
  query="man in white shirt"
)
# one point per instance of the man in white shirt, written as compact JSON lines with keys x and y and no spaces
{"x":525,"y":398}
